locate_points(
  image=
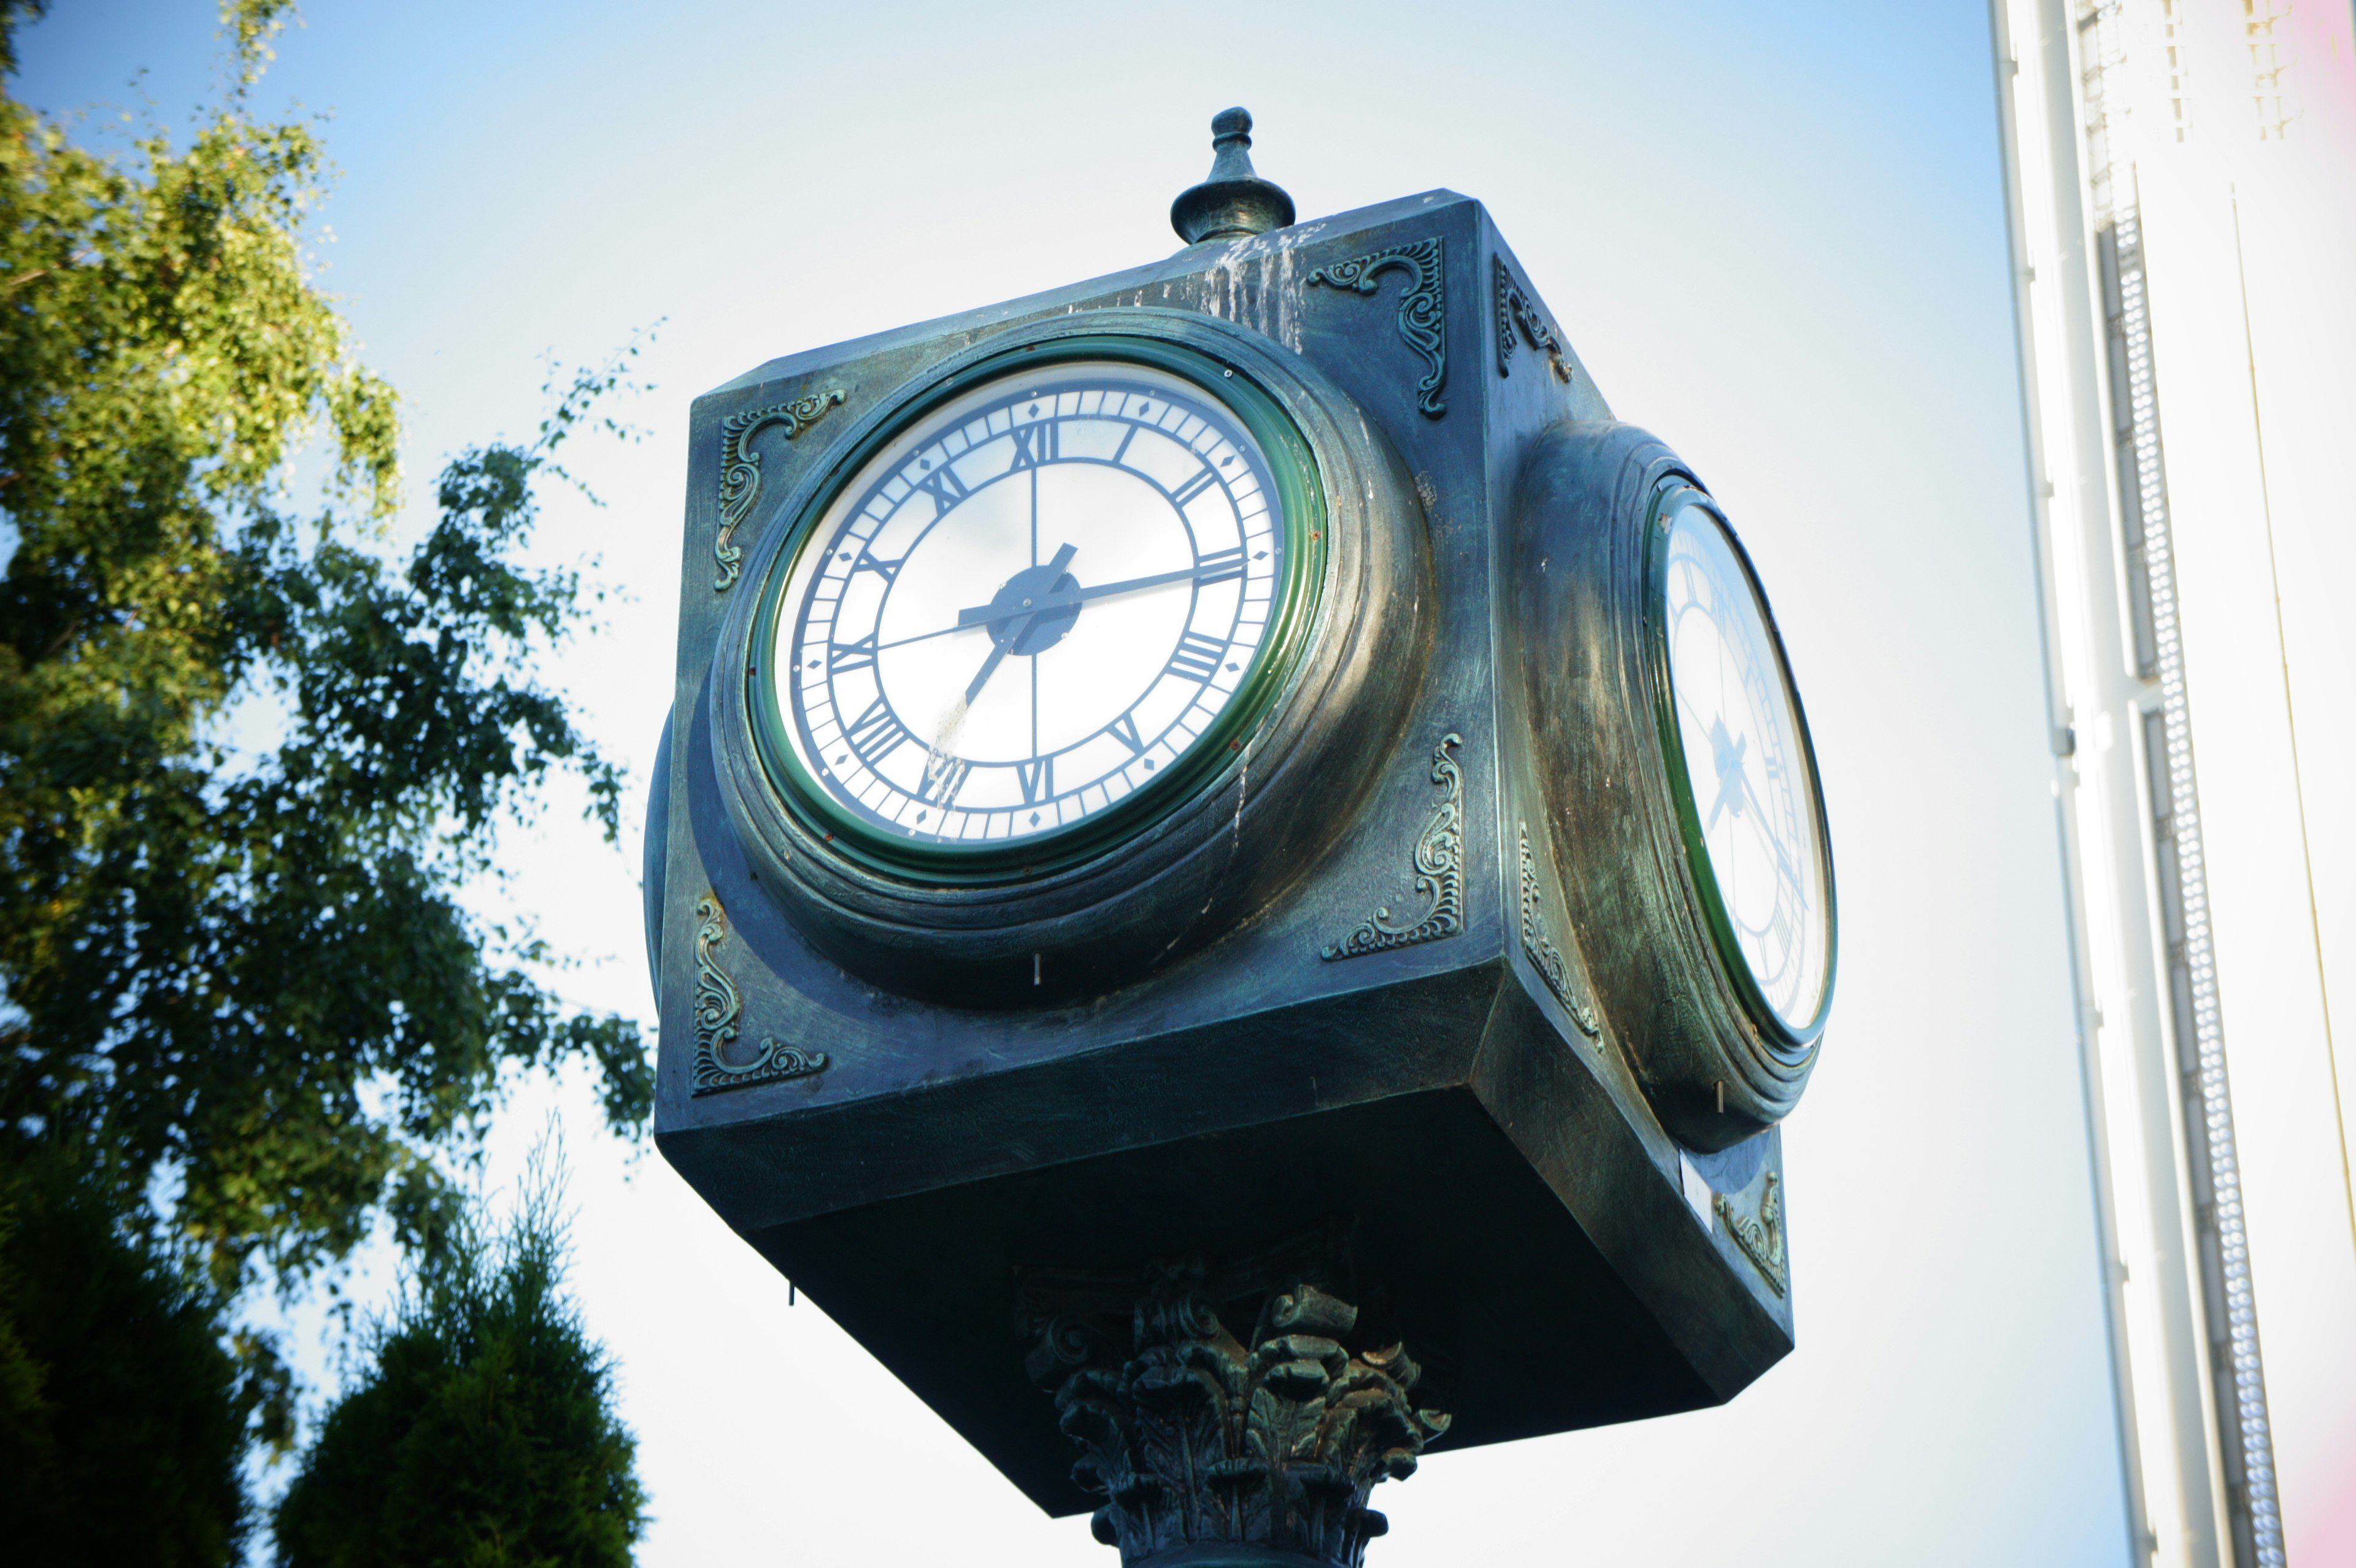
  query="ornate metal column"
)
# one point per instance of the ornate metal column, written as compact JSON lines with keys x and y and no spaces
{"x":1212,"y":1451}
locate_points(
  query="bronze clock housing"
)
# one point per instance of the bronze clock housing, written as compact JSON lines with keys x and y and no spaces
{"x":1415,"y":952}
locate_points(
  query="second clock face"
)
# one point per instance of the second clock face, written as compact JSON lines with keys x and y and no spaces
{"x":1030,"y":605}
{"x":1750,"y":783}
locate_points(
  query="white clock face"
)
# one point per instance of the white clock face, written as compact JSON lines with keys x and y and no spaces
{"x":1028,"y":605}
{"x":1747,"y":765}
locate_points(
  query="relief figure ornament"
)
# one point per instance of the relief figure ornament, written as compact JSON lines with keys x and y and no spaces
{"x":1761,"y":1239}
{"x":1537,"y":943}
{"x":1516,"y":313}
{"x":740,"y":470}
{"x":718,"y":1007}
{"x":1422,"y":310}
{"x":1439,"y":872}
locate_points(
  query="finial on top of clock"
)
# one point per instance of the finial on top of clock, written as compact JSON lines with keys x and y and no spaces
{"x":1233,"y":203}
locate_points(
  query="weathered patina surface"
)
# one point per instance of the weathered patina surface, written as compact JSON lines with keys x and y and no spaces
{"x":1467,"y":1083}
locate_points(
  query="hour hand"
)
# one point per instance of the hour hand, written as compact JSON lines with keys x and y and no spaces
{"x":989,"y":667}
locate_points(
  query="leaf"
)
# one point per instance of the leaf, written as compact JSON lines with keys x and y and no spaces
{"x":253,"y":759}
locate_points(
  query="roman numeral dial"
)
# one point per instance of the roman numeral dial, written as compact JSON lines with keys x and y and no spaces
{"x":1043,"y":600}
{"x":1746,"y":781}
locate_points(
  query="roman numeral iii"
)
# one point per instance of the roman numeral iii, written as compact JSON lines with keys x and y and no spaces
{"x":1219,"y":566}
{"x":1197,"y":658}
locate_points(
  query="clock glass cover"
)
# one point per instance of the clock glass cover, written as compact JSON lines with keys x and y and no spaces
{"x":1029,"y":606}
{"x":1753,"y":822}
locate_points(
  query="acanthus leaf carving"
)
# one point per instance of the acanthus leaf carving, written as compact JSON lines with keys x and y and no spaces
{"x":1196,"y":1439}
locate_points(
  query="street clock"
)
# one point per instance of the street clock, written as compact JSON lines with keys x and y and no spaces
{"x":1231,"y":813}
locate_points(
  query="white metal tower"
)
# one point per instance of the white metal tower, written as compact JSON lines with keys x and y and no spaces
{"x":2181,"y":177}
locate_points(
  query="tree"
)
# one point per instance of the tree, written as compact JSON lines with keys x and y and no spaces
{"x":237,"y":974}
{"x":482,"y":1431}
{"x":123,"y":1418}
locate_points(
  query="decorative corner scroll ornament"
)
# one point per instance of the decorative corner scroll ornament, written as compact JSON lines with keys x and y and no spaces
{"x":1202,"y":1444}
{"x":1439,"y":872}
{"x":1761,"y":1240}
{"x":718,"y":1006}
{"x":1422,"y":310}
{"x":1514,"y":312}
{"x":1538,"y":942}
{"x":740,"y":470}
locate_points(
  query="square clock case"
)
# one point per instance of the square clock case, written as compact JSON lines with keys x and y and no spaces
{"x":1241,"y":748}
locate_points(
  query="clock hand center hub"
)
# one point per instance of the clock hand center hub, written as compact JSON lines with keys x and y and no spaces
{"x":1019,"y":628}
{"x":1727,"y":757}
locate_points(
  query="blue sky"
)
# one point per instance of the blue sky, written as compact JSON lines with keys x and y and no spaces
{"x":1774,"y":234}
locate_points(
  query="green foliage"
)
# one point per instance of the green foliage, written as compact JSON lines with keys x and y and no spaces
{"x":482,"y":1431}
{"x":122,"y":1420}
{"x":238,"y":973}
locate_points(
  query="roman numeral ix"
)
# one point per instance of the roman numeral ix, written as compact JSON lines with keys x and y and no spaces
{"x":852,"y":656}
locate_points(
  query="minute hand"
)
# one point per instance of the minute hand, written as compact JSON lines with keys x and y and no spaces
{"x":981,"y":612}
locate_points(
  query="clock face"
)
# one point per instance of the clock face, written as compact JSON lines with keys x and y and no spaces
{"x":1032,"y":604}
{"x":1754,"y":824}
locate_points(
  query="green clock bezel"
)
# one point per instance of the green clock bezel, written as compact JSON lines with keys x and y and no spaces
{"x":1293,"y":470}
{"x":1672,"y":496}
